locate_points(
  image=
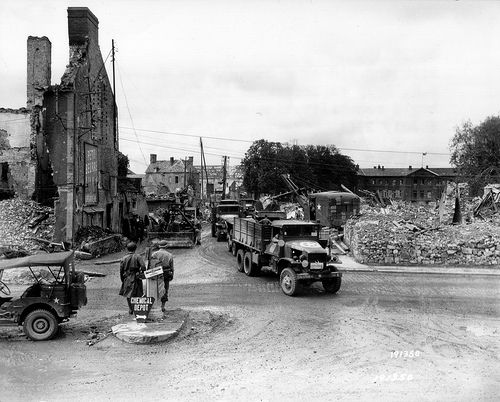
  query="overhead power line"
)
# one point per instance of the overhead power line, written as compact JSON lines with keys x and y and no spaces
{"x":250,"y":141}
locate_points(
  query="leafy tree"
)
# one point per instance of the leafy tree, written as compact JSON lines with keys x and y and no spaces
{"x":262,"y":166}
{"x":330,"y":168}
{"x":316,"y":167}
{"x":475,"y":151}
{"x":123,"y":164}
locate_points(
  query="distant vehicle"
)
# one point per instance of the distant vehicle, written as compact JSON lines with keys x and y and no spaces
{"x":330,"y":208}
{"x":292,"y":249}
{"x":222,"y":218}
{"x":177,"y":225}
{"x":44,"y":304}
{"x":247,"y":207}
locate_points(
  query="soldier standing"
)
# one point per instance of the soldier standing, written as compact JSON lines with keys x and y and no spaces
{"x":166,"y":260}
{"x":131,"y":267}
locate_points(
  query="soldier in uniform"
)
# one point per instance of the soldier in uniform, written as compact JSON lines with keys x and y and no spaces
{"x":131,"y":267}
{"x":166,"y":260}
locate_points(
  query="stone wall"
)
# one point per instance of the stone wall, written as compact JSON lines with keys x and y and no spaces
{"x":387,"y":238}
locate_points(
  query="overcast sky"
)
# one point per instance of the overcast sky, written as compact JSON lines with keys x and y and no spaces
{"x":363,"y":76}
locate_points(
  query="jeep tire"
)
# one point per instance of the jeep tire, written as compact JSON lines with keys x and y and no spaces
{"x":40,"y":325}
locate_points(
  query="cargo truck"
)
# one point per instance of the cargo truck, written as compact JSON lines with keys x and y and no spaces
{"x":294,"y":250}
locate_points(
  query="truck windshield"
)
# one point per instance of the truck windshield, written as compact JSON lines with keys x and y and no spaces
{"x":300,"y":231}
{"x":228,"y":209}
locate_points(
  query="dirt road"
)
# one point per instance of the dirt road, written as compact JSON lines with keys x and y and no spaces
{"x":382,"y":337}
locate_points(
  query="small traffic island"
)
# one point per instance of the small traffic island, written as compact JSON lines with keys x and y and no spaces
{"x":158,"y":327}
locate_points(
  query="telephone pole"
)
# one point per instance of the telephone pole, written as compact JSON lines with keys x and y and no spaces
{"x":115,"y":114}
{"x":224,"y":168}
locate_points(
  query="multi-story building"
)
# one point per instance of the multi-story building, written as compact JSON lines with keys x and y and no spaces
{"x":164,"y":177}
{"x":62,"y":148}
{"x":420,"y":185}
{"x":213,"y":177}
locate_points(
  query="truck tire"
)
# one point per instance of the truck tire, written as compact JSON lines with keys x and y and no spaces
{"x":40,"y":325}
{"x":248,"y":266}
{"x":229,"y":242}
{"x":234,"y":251}
{"x":213,"y":230}
{"x":239,"y":259}
{"x":332,"y":285}
{"x":288,"y":281}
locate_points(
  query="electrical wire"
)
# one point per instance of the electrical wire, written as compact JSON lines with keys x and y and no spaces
{"x":130,"y":115}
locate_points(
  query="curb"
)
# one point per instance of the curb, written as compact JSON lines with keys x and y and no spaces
{"x":425,"y":270}
{"x":349,"y":264}
{"x":157,"y":331}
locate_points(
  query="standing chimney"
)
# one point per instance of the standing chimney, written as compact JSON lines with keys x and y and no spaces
{"x":172,"y":160}
{"x":82,"y":26}
{"x":152,"y":158}
{"x":39,"y":69}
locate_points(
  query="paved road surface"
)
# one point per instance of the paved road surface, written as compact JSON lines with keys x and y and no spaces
{"x":382,"y":337}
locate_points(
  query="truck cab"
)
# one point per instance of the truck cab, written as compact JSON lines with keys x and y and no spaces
{"x":223,"y":215}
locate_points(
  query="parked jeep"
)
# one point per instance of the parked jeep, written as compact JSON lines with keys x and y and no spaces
{"x":43,"y":305}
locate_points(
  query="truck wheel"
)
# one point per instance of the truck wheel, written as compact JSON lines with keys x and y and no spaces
{"x":332,"y":285}
{"x":248,"y":266}
{"x":288,"y":282}
{"x":213,"y":230}
{"x":239,"y":260}
{"x":234,"y":251}
{"x":40,"y":325}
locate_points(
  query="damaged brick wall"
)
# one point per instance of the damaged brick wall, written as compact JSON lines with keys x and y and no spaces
{"x":17,"y":175}
{"x":79,"y":117}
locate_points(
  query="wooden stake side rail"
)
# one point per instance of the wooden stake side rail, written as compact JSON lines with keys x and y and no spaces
{"x":251,"y":234}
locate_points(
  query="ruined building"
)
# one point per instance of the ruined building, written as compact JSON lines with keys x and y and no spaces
{"x":62,"y":148}
{"x":164,"y":177}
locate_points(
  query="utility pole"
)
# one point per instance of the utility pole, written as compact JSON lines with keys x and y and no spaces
{"x":201,"y":168}
{"x":204,"y":166}
{"x":115,"y":114}
{"x":224,"y":178}
{"x":185,"y":162}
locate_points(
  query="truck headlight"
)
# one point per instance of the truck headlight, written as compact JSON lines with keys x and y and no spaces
{"x":305,"y":263}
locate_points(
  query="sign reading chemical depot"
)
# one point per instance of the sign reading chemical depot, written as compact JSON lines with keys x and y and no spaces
{"x":142,"y":307}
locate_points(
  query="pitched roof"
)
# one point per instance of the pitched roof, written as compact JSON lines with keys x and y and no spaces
{"x":167,"y":167}
{"x":402,"y":172}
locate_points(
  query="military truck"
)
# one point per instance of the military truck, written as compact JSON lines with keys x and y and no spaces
{"x":222,"y":217}
{"x":294,"y":250}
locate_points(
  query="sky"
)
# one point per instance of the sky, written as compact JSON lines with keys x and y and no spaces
{"x":384,"y":81}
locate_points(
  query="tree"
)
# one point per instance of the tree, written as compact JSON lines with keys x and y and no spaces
{"x":330,"y":168}
{"x":475,"y":152}
{"x":123,"y":164}
{"x":313,"y":167}
{"x":262,"y":166}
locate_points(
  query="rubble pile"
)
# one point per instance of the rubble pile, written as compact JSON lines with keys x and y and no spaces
{"x":406,"y":234}
{"x":97,"y":241}
{"x":21,"y":222}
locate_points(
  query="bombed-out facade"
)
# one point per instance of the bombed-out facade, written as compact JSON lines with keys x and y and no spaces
{"x":62,"y":148}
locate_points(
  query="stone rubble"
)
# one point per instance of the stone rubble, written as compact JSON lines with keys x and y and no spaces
{"x":21,"y":220}
{"x":408,"y":234}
